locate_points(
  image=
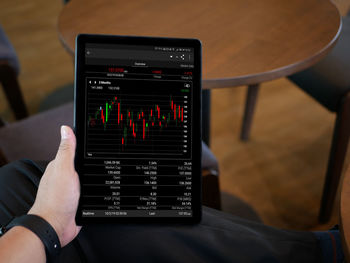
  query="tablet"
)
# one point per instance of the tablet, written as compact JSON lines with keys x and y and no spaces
{"x":138,"y":127}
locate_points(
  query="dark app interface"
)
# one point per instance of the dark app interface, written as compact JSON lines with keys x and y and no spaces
{"x":138,"y":134}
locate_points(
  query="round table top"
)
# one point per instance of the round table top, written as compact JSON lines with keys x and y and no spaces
{"x":244,"y":41}
{"x":345,"y":215}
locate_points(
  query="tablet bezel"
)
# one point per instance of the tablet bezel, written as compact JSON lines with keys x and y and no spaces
{"x":79,"y":120}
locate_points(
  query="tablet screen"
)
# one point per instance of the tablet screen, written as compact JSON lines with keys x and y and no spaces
{"x":138,"y":132}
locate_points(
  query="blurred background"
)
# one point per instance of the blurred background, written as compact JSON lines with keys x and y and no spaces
{"x":279,"y":172}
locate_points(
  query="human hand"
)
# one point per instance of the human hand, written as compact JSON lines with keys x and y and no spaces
{"x":59,"y":190}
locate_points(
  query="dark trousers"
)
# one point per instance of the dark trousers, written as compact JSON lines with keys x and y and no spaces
{"x":219,"y":237}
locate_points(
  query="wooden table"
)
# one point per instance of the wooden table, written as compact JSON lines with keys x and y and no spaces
{"x":345,"y":215}
{"x":245,"y":42}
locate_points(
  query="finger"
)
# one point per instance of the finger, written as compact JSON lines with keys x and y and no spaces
{"x":66,"y":150}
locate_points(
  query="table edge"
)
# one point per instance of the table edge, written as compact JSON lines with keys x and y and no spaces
{"x":250,"y":79}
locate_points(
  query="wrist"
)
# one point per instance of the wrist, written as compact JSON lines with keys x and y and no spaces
{"x":51,"y":219}
{"x":42,"y":229}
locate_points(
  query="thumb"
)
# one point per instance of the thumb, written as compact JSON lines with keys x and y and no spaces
{"x":66,"y":150}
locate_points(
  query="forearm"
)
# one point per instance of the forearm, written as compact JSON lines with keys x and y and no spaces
{"x":21,"y":245}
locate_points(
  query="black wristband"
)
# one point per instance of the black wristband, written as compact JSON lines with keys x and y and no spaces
{"x":43,"y":230}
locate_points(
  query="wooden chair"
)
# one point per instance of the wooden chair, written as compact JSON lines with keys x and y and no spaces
{"x":9,"y":69}
{"x":345,"y":215}
{"x":328,"y":82}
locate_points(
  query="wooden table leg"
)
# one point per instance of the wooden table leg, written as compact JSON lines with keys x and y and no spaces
{"x":252,"y":95}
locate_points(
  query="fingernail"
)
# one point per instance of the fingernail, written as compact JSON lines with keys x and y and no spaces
{"x":64,"y":132}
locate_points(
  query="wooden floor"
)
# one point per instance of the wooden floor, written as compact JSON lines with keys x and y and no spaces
{"x":280,"y":171}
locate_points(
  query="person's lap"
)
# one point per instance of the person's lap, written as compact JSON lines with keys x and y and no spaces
{"x":219,"y":237}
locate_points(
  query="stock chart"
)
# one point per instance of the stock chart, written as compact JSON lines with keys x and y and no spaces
{"x":131,"y":117}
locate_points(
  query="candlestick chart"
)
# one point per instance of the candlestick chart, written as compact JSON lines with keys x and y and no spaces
{"x":135,"y":121}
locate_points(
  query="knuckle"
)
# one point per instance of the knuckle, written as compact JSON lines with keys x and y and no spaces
{"x":50,"y":165}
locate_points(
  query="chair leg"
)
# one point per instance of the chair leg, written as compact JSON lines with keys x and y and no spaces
{"x":2,"y":123}
{"x":206,"y":116}
{"x":3,"y":159}
{"x":211,"y":195}
{"x":252,"y":95}
{"x":337,"y":155}
{"x":13,"y":91}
